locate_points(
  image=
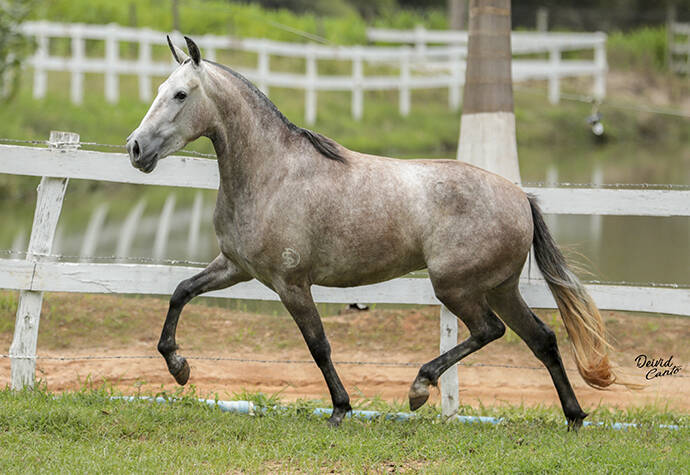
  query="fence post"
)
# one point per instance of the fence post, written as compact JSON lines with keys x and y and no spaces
{"x":263,"y":67}
{"x":310,"y":93}
{"x":160,"y":242}
{"x":111,"y":54}
{"x":77,"y":62}
{"x":357,"y":79}
{"x":41,"y":56}
{"x":449,"y":379}
{"x":404,"y":99}
{"x":144,"y":65}
{"x":51,"y":193}
{"x":455,"y":89}
{"x":194,"y":225}
{"x":599,"y":90}
{"x":420,"y":39}
{"x":554,"y":75}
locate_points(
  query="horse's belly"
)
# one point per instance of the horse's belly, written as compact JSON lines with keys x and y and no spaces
{"x":376,"y":264}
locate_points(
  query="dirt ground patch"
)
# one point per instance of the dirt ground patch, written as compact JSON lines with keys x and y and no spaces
{"x":504,"y":372}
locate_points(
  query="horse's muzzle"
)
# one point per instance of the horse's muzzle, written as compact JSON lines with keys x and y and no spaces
{"x":144,"y":159}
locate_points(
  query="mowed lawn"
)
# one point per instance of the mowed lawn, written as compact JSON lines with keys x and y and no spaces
{"x":87,"y":431}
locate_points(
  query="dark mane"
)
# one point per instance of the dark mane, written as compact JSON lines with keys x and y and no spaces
{"x":325,"y":146}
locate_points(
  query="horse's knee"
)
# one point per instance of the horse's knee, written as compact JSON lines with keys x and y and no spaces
{"x":181,"y":295}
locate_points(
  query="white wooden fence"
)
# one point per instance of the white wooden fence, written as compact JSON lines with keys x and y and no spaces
{"x":423,"y":67}
{"x":41,"y":272}
{"x":679,"y":47}
{"x":523,"y":43}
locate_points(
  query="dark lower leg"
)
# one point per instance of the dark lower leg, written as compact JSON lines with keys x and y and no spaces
{"x":542,"y":341}
{"x":484,"y":327}
{"x":219,"y":274}
{"x":299,"y":303}
{"x":548,"y":354}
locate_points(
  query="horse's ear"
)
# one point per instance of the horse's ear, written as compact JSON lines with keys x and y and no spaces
{"x":193,"y":50}
{"x":179,"y":55}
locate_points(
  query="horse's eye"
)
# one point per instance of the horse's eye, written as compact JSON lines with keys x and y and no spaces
{"x":181,"y":95}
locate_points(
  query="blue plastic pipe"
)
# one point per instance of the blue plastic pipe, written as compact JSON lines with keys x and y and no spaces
{"x":247,"y":407}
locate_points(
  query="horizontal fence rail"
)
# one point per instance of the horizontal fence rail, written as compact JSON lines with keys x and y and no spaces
{"x":427,"y":67}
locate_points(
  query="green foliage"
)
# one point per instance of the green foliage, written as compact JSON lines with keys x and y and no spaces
{"x":14,"y":47}
{"x":643,"y":49}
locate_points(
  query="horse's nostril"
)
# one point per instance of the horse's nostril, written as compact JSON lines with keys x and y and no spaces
{"x":135,"y":150}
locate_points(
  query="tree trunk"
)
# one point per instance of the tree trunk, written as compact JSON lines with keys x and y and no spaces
{"x":487,"y":129}
{"x":457,"y":14}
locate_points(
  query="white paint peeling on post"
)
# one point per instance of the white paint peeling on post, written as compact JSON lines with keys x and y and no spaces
{"x":51,"y":192}
{"x":129,"y":229}
{"x":93,"y":231}
{"x":194,"y":226}
{"x":160,"y":242}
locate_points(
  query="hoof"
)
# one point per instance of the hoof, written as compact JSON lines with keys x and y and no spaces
{"x":181,"y":372}
{"x":417,"y":401}
{"x":419,"y":393}
{"x":574,"y":423}
{"x":337,"y":416}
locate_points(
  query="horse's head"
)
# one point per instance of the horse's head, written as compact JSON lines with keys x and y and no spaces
{"x":180,"y":113}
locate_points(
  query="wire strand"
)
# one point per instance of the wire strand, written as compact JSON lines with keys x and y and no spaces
{"x":607,"y":103}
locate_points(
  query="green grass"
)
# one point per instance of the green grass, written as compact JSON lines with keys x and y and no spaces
{"x":88,"y":432}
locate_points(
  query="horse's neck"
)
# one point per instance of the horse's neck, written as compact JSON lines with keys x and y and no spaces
{"x":251,"y":148}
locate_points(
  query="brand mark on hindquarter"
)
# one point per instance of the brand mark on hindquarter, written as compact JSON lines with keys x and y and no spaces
{"x":291,"y":258}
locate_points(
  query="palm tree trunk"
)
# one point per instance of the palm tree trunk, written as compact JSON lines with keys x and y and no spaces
{"x":487,"y":128}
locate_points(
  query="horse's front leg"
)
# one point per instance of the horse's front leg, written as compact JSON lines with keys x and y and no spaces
{"x":219,"y":274}
{"x":299,"y":302}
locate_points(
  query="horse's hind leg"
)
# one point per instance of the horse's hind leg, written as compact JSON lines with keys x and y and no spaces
{"x":484,"y":327}
{"x":219,"y":274}
{"x":513,"y":310}
{"x":299,"y":302}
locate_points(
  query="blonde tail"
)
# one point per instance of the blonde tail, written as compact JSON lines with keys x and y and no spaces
{"x":579,"y":313}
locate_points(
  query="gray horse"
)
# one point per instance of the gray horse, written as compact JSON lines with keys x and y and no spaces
{"x":295,"y":209}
